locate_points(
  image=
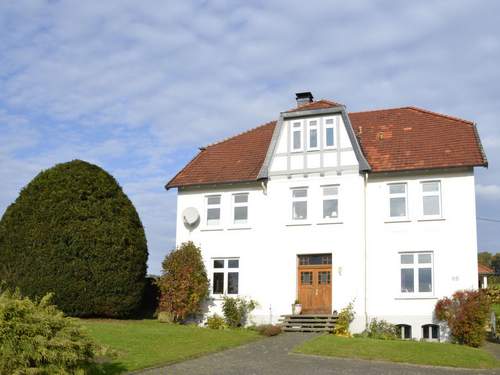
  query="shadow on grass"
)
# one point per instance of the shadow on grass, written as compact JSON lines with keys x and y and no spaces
{"x":106,"y":368}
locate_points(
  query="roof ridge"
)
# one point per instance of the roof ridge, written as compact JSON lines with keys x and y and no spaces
{"x":415,"y":108}
{"x":327,"y":101}
{"x":237,"y":135}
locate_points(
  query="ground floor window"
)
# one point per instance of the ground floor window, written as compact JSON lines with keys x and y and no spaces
{"x":225,"y":276}
{"x":404,"y":331}
{"x":430,"y":331}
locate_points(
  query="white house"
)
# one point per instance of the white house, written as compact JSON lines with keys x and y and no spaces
{"x":329,"y":207}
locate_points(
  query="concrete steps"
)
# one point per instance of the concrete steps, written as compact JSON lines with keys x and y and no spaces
{"x":308,"y":323}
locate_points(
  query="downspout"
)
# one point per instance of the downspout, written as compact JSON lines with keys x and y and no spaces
{"x":365,"y":246}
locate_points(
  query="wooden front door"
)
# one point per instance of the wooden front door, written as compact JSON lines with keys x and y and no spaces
{"x":315,"y":284}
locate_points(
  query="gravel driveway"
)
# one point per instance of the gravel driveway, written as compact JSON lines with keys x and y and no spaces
{"x":272,"y":356}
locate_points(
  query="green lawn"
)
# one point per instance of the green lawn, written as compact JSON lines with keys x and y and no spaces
{"x":496,"y":308}
{"x":422,"y":353}
{"x":148,"y":343}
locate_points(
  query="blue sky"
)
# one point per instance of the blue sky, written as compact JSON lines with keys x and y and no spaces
{"x":137,"y":86}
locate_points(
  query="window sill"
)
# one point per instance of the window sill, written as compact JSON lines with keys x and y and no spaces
{"x":303,"y":224}
{"x":330,"y":222}
{"x":415,"y":297}
{"x":240,"y":228}
{"x":405,"y":220}
{"x":431,"y":219}
{"x":206,"y":229}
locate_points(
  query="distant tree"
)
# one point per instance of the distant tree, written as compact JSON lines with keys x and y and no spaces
{"x":484,"y":257}
{"x":184,"y":282}
{"x":495,"y":262}
{"x":72,"y":231}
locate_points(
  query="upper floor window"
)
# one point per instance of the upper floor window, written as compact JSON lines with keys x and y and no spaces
{"x":213,"y":209}
{"x":431,"y":198}
{"x":225,"y":277}
{"x":398,"y":200}
{"x":297,"y":136}
{"x":416,"y":272}
{"x":299,"y":204}
{"x":240,"y":208}
{"x":330,"y":202}
{"x":329,"y":133}
{"x":313,"y":135}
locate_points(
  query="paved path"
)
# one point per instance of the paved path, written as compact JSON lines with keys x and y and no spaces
{"x":272,"y":356}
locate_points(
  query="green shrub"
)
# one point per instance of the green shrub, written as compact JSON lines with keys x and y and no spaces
{"x":165,"y":317}
{"x":36,"y":338}
{"x":382,"y":330}
{"x":216,"y":322}
{"x":466,"y":314}
{"x":269,"y":330}
{"x":236,"y":310}
{"x":344,"y":319}
{"x":184,"y":282}
{"x":72,"y":231}
{"x":493,"y":293}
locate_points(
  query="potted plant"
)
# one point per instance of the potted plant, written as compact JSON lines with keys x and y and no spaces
{"x":296,"y":307}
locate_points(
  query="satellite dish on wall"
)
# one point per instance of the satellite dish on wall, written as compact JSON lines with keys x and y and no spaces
{"x":191,"y":216}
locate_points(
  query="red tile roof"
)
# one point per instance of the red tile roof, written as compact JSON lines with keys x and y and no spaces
{"x":235,"y":159}
{"x":319,"y":104}
{"x":411,"y":138}
{"x":482,"y":269}
{"x":395,"y":139}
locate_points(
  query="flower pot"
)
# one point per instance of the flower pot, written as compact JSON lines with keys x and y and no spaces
{"x":296,"y":309}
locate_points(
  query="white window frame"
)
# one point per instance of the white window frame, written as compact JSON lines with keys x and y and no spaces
{"x":225,"y":270}
{"x":416,"y":266}
{"x":333,"y":126}
{"x":313,"y":124}
{"x":431,"y":194}
{"x":300,"y":199}
{"x":428,"y":327}
{"x":240,"y":204}
{"x":330,"y":197}
{"x":297,"y":126}
{"x":397,"y":195}
{"x":212,"y":206}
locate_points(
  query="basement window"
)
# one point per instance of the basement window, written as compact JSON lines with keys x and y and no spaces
{"x":404,"y":331}
{"x":430,"y":332}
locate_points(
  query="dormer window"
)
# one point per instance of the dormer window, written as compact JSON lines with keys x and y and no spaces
{"x":313,"y":143}
{"x":297,"y":136}
{"x":329,"y":133}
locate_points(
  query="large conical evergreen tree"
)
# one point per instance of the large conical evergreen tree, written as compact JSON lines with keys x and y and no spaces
{"x":73,"y":231}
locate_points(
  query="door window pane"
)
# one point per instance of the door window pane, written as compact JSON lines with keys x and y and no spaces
{"x":424,"y":280}
{"x":324,"y":277}
{"x":306,"y":278}
{"x":218,"y":283}
{"x":233,"y":263}
{"x":407,"y":280}
{"x":305,"y":260}
{"x":398,"y":207}
{"x":232,"y":283}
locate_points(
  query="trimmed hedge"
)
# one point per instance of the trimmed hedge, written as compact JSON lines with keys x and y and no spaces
{"x":72,"y":231}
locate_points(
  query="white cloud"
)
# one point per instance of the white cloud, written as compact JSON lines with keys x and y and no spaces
{"x":490,"y":192}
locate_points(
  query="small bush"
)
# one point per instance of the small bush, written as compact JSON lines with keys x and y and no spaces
{"x":382,"y":330}
{"x":345,"y":317}
{"x":184,"y":282}
{"x":493,"y":293}
{"x":466,"y":314}
{"x":236,"y":310}
{"x":36,"y":338}
{"x":165,"y":317}
{"x":269,"y":330}
{"x":216,"y":322}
